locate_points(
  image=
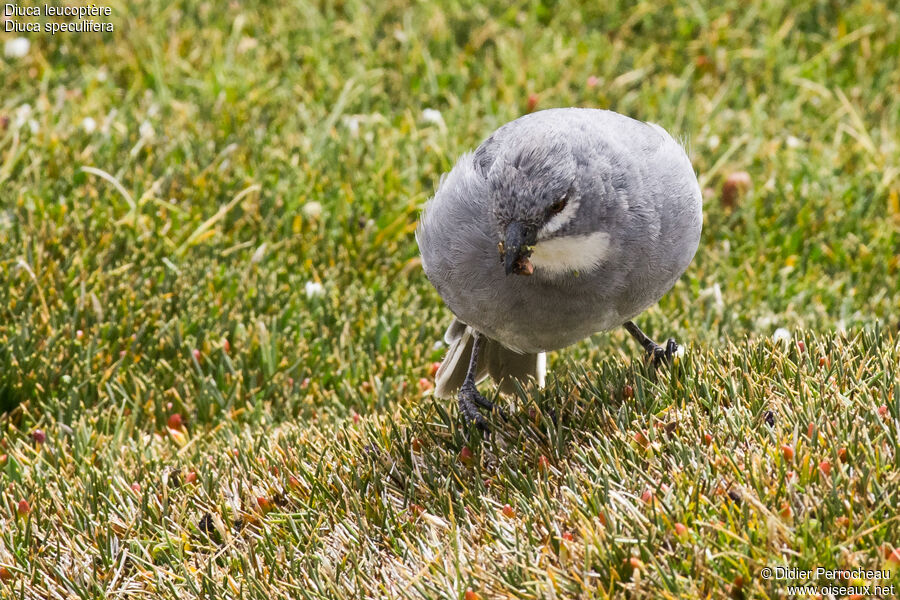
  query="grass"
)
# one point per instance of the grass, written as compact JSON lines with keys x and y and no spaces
{"x":170,"y":194}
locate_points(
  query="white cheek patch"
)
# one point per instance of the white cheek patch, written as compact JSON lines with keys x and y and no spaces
{"x":563,"y":255}
{"x":558,"y":220}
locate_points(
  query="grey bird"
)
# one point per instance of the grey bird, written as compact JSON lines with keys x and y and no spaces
{"x":561,"y":224}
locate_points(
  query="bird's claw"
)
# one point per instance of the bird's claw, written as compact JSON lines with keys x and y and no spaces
{"x":470,"y":399}
{"x":663,"y":356}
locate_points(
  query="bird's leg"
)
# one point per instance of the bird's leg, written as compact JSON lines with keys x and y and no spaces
{"x":469,"y":398}
{"x":657,"y":353}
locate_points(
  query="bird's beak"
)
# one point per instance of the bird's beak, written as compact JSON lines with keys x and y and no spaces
{"x":517,"y":248}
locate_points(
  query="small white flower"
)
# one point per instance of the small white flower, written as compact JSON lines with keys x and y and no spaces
{"x":101,"y":75}
{"x":22,"y":114}
{"x":314,"y":289}
{"x":437,"y":345}
{"x":89,"y":124}
{"x":793,"y":142}
{"x":146,"y":130}
{"x":713,"y":142}
{"x":33,"y":125}
{"x":259,"y":254}
{"x":16,"y":47}
{"x":781,"y":335}
{"x":313,"y":210}
{"x":431,"y":115}
{"x":351,"y":122}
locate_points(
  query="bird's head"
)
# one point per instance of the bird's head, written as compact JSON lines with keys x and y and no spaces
{"x":535,"y":197}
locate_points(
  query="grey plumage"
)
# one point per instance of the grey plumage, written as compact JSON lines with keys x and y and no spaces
{"x":604,"y":208}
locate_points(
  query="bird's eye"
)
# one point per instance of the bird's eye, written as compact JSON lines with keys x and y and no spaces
{"x":557,"y":206}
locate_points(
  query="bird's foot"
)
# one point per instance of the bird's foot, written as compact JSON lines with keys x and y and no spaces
{"x":662,"y":356}
{"x":470,"y":399}
{"x":656,"y":354}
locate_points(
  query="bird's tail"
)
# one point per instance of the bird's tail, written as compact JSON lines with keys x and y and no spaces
{"x":494,"y":359}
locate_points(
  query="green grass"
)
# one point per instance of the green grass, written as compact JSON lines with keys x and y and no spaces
{"x":179,"y":235}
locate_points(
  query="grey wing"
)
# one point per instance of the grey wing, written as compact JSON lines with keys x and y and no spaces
{"x":454,"y":230}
